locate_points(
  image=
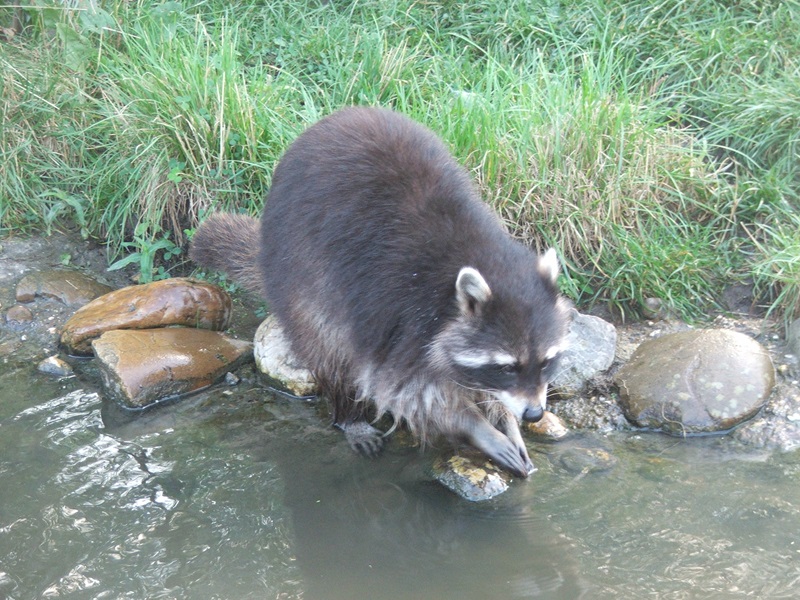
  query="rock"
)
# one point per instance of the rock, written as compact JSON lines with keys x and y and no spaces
{"x":19,"y":314}
{"x":695,"y":381}
{"x":72,"y":288}
{"x":598,"y":412}
{"x":793,"y":338}
{"x":53,"y":365}
{"x":140,"y":367}
{"x":275,"y":359}
{"x":587,"y":460}
{"x":472,"y":480}
{"x":779,"y":429}
{"x":177,"y":301}
{"x":550,"y":427}
{"x":591,"y":343}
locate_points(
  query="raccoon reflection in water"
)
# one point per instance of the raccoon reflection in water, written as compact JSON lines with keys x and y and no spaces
{"x":398,"y":286}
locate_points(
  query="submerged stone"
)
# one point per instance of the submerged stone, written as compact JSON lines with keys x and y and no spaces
{"x":695,"y":381}
{"x":140,"y":367}
{"x":72,"y":288}
{"x":473,"y":480}
{"x":274,"y":358}
{"x":177,"y":301}
{"x":19,"y":314}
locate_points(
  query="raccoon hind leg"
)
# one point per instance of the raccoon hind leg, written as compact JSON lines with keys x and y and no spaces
{"x":350,"y":416}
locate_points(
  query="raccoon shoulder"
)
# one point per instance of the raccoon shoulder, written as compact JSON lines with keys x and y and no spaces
{"x":230,"y":243}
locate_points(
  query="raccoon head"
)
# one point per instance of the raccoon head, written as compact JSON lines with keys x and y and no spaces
{"x":506,"y":341}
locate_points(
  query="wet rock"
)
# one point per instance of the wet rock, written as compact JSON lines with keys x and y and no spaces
{"x":140,"y":367}
{"x":53,"y":365}
{"x":587,"y":460}
{"x":474,"y":480}
{"x":695,"y":381}
{"x":72,"y":288}
{"x":793,"y":338}
{"x":19,"y":314}
{"x":598,"y":412}
{"x":591,"y":343}
{"x":779,"y":428}
{"x":177,"y":301}
{"x":275,"y":359}
{"x":550,"y":427}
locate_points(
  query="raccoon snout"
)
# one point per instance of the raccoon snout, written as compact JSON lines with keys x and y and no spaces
{"x":531,"y":414}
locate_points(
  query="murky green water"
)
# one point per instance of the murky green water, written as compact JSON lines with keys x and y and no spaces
{"x":236,"y":495}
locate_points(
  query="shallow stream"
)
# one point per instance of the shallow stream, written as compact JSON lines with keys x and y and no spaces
{"x":236,"y":494}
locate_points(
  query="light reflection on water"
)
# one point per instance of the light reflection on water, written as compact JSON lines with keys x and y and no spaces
{"x":244,"y":496}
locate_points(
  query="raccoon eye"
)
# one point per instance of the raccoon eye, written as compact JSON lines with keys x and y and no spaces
{"x":507,"y":369}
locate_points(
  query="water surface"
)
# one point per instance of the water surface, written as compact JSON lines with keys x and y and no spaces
{"x":236,"y":494}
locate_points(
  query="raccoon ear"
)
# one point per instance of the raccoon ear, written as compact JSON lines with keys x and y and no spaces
{"x":471,"y":291}
{"x":548,"y":265}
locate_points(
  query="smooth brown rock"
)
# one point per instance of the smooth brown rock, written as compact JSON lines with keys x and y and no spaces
{"x":178,"y":301}
{"x":695,"y":381}
{"x":19,"y":314}
{"x":72,"y":288}
{"x":140,"y":367}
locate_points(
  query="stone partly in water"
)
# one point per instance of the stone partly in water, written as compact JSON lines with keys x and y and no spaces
{"x":473,"y":480}
{"x":275,"y":359}
{"x":695,"y":381}
{"x":73,"y":288}
{"x":177,"y":301}
{"x":549,"y":428}
{"x":140,"y":367}
{"x":591,"y":343}
{"x":53,"y":365}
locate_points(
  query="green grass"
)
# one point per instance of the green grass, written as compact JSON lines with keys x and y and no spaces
{"x":655,"y":144}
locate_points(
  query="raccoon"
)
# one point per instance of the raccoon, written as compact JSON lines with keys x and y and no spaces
{"x":399,"y":287}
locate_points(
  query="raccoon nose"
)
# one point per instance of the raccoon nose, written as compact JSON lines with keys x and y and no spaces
{"x":532,"y":414}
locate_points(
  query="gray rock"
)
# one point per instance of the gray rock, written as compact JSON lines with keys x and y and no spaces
{"x":793,"y":338}
{"x":591,"y":343}
{"x":53,"y":365}
{"x":73,"y":288}
{"x":474,"y":480}
{"x":779,"y":428}
{"x":143,"y":366}
{"x":598,"y":412}
{"x":275,"y":359}
{"x":695,"y":381}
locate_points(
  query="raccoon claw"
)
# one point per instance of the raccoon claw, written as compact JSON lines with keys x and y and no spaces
{"x":363,"y":438}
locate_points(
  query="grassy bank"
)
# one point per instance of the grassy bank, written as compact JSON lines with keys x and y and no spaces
{"x":656,"y":144}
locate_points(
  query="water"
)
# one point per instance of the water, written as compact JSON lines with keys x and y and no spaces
{"x":233,"y":494}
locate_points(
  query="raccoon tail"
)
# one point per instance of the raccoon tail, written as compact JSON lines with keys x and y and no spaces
{"x":229,"y":243}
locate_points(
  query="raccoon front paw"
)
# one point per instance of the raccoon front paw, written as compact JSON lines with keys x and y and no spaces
{"x":509,"y":453}
{"x":363,"y":438}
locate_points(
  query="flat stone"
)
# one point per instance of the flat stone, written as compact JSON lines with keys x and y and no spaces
{"x":695,"y":381}
{"x":19,"y":314}
{"x":72,"y":288}
{"x":591,"y":344}
{"x":177,"y":301}
{"x":274,"y":358}
{"x":140,"y":367}
{"x":474,"y":480}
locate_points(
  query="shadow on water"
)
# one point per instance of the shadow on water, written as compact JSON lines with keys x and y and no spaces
{"x":233,"y":494}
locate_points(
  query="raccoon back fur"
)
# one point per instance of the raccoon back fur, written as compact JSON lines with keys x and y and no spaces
{"x":397,"y":285}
